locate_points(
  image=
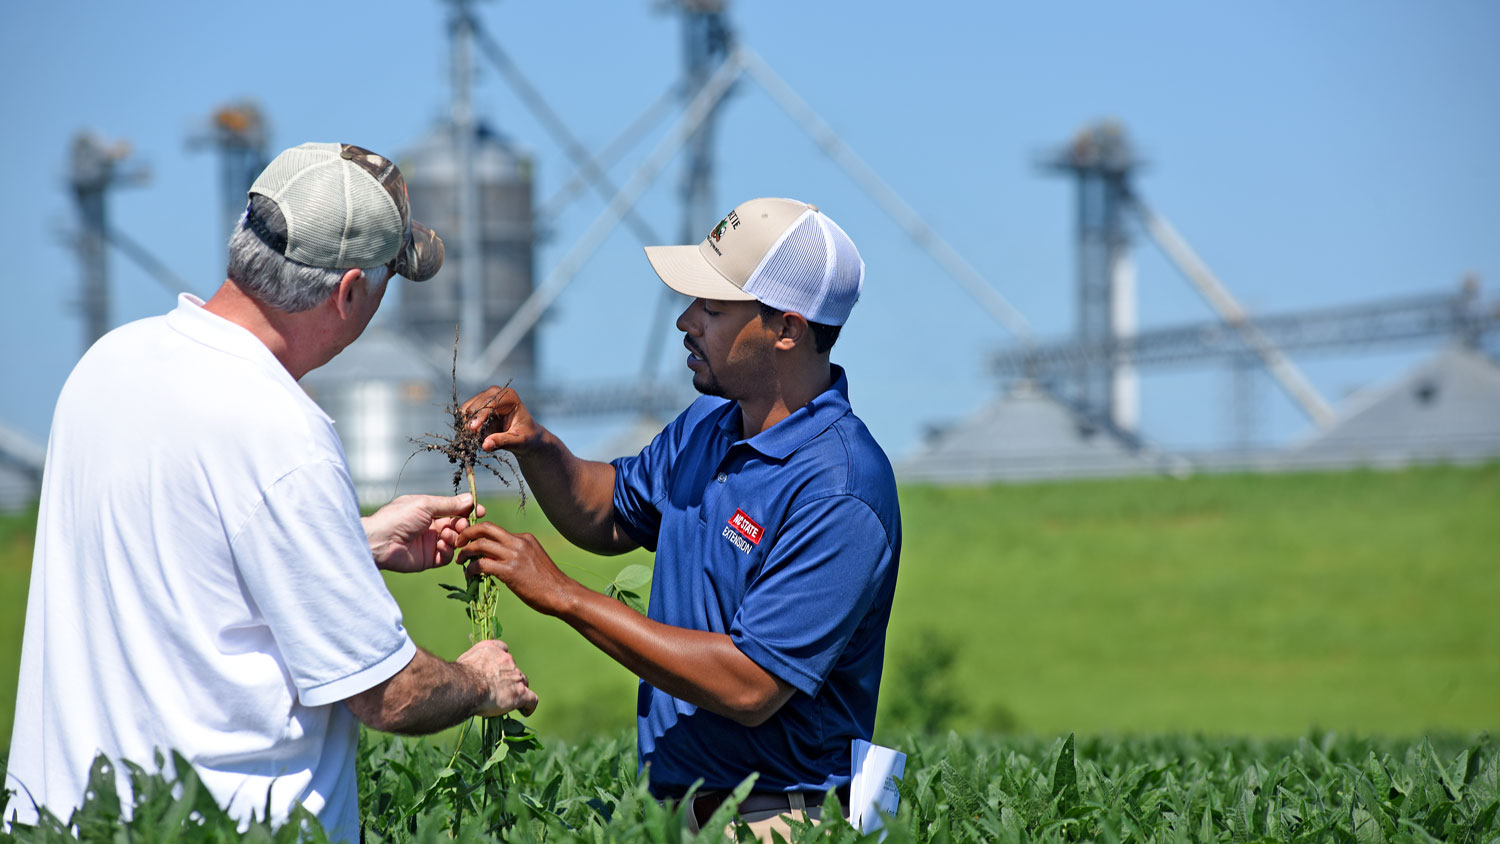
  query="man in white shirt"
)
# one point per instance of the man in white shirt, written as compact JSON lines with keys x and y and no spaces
{"x":202,"y":581}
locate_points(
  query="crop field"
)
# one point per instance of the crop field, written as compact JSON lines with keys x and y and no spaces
{"x":1314,"y":788}
{"x":1241,"y":658}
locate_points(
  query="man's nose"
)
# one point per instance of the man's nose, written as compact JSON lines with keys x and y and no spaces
{"x":683,"y":321}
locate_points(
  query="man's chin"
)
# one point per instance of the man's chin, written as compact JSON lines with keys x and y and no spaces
{"x":707,"y":385}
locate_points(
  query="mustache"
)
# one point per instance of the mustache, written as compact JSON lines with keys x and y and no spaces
{"x":693,"y":347}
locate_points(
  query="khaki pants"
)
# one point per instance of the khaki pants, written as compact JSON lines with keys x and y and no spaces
{"x":762,"y":824}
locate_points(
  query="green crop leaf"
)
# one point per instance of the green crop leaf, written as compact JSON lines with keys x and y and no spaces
{"x":1482,"y":821}
{"x":632,"y":600}
{"x":633,"y":578}
{"x":1367,"y":830}
{"x":1378,"y":807}
{"x":101,"y":807}
{"x":629,"y":586}
{"x":1065,"y":776}
{"x":961,"y":795}
{"x":502,"y":749}
{"x":1378,"y":777}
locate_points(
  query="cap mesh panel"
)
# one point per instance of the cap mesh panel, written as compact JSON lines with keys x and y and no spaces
{"x":848,"y":274}
{"x":337,"y":215}
{"x":815,"y":271}
{"x":791,"y":276}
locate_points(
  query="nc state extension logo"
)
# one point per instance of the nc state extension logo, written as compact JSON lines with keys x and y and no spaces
{"x":742,"y":531}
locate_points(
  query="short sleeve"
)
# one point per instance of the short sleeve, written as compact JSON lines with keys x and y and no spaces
{"x":306,"y":564}
{"x":830,"y":564}
{"x":640,"y":484}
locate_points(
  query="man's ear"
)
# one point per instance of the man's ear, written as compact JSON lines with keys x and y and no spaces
{"x":794,"y":331}
{"x":343,"y":295}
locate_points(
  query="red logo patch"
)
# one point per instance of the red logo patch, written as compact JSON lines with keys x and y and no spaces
{"x":746,"y":526}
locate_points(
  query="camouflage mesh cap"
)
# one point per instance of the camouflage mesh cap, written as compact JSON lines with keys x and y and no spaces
{"x":344,"y":207}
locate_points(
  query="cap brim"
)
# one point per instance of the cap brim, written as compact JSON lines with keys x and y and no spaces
{"x":684,"y":269}
{"x":422,"y":256}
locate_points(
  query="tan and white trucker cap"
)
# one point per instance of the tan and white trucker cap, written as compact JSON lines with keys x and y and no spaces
{"x":781,"y":252}
{"x":344,"y":207}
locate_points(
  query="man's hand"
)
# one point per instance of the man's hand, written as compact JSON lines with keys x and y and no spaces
{"x":431,"y":694}
{"x":576,"y":495}
{"x":518,"y":560}
{"x":503,"y":420}
{"x":491,"y":663}
{"x":417,"y":532}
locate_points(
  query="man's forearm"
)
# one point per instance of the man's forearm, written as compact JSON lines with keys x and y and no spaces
{"x":705,"y":669}
{"x":426,"y":696}
{"x":576,"y":495}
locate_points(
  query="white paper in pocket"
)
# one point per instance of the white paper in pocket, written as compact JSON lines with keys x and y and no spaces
{"x":873,"y":789}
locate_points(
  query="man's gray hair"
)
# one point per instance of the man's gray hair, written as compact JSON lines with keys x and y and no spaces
{"x":270,"y":276}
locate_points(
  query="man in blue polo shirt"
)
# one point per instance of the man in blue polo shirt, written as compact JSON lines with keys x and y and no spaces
{"x":772,"y":512}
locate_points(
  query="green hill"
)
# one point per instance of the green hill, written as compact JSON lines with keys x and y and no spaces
{"x":1249,"y":605}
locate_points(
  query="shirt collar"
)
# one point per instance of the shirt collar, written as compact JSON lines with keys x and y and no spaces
{"x":197,"y":323}
{"x":780,"y":440}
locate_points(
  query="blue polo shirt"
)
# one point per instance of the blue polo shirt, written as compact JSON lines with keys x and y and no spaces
{"x":788,"y":542}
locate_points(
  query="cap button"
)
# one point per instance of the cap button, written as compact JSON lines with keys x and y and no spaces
{"x":813,"y":207}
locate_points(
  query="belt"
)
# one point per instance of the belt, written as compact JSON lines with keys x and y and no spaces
{"x":706,"y":803}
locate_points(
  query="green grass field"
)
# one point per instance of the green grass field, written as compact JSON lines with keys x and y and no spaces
{"x":1260,"y":605}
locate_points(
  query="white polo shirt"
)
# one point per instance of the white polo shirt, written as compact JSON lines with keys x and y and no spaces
{"x":201,"y":581}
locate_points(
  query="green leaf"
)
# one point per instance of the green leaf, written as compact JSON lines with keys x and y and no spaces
{"x":632,"y":600}
{"x":100,"y":814}
{"x":726,"y":813}
{"x":1240,"y":816}
{"x":1367,"y":830}
{"x":1378,"y":777}
{"x":496,"y":756}
{"x":1377,"y":806}
{"x":1065,"y":773}
{"x":632,"y":578}
{"x":962,"y":796}
{"x":1419,"y":833}
{"x":1452,"y":781}
{"x":1481,"y":822}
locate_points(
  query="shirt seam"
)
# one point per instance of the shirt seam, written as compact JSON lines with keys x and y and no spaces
{"x":812,"y":498}
{"x":260,"y":501}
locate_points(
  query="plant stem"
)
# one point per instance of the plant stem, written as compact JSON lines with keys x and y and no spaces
{"x":473,"y":495}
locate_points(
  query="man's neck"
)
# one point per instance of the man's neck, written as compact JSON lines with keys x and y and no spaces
{"x":794,"y":391}
{"x":282,"y":333}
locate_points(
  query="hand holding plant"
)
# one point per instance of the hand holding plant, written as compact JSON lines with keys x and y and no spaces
{"x":418,"y":532}
{"x":490,"y":660}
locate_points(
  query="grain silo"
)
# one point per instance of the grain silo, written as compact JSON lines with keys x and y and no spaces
{"x":505,"y":242}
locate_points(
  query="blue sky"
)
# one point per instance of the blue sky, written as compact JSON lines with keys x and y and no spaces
{"x":1312,"y":153}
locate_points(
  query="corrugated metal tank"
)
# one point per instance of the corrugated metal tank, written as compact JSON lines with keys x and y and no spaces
{"x":429,"y":312}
